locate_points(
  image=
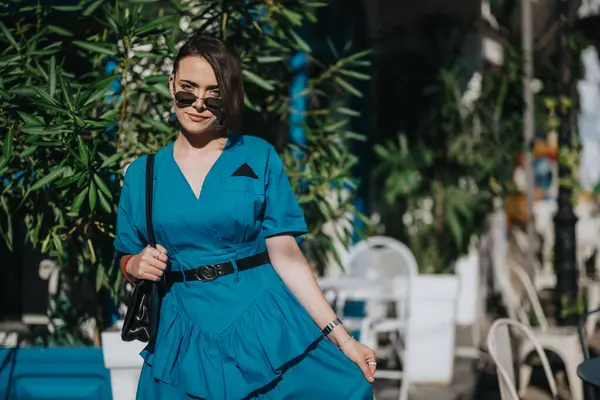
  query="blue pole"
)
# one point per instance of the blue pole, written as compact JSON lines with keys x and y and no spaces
{"x":297,"y":100}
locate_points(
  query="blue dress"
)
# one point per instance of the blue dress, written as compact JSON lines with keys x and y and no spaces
{"x":243,"y":335}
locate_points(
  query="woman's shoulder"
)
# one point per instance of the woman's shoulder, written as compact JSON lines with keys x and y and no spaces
{"x":253,"y":144}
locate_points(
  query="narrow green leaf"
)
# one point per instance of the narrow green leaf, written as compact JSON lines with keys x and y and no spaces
{"x":67,"y":8}
{"x":83,"y":151}
{"x":336,"y":125}
{"x":257,"y":80}
{"x":78,"y":200}
{"x":92,"y":196}
{"x":332,"y":48}
{"x":112,"y":160}
{"x":42,"y":130}
{"x":65,"y":89}
{"x":8,"y":145}
{"x":300,"y":42}
{"x":92,"y":7}
{"x":149,"y":27}
{"x":47,"y":52}
{"x":8,"y":35}
{"x":28,"y":151}
{"x":161,"y":89}
{"x":269,"y":59}
{"x":159,"y":78}
{"x":348,"y":111}
{"x":102,"y":186}
{"x":97,"y":95}
{"x":94,"y":47}
{"x":454,"y":225}
{"x":52,"y":76}
{"x":294,"y":17}
{"x":344,"y":84}
{"x":104,"y":203}
{"x":59,"y":30}
{"x":100,"y":277}
{"x":48,"y":179}
{"x":30,"y":119}
{"x":354,"y":74}
{"x":358,"y":55}
{"x":158,"y":125}
{"x":43,"y":94}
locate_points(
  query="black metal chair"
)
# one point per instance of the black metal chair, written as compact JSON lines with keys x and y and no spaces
{"x":590,"y":391}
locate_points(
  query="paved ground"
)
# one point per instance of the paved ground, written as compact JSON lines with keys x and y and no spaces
{"x":477,"y":380}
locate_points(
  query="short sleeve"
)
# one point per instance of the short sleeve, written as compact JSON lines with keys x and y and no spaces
{"x":282,"y":213}
{"x":127,"y":238}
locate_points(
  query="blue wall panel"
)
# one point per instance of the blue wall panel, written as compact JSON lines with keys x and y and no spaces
{"x":54,"y":374}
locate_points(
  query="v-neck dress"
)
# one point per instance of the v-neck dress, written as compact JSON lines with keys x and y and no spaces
{"x":243,"y":335}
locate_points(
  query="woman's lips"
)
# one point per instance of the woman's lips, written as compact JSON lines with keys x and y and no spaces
{"x":196,"y":117}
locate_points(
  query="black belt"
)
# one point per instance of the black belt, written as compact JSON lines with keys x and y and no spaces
{"x":211,"y":272}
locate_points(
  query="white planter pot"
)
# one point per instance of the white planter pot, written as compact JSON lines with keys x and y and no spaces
{"x":467,"y":270}
{"x":124,"y":362}
{"x":431,"y":329}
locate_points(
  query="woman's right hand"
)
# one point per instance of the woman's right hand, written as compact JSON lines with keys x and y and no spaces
{"x":149,"y":264}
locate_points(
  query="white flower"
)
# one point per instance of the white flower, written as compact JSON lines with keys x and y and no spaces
{"x":143,"y":47}
{"x":138,"y":69}
{"x":427,"y":218}
{"x":536,"y":85}
{"x":407,"y":219}
{"x":184,"y":23}
{"x":427,"y":204}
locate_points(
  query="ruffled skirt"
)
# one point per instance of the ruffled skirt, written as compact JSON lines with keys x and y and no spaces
{"x":273,"y":350}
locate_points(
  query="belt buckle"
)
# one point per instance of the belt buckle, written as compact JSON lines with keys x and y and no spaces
{"x":208,"y":272}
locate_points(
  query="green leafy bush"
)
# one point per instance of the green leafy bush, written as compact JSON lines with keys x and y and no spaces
{"x":83,"y":91}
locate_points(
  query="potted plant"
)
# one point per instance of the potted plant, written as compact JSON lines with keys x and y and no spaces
{"x":84,"y":91}
{"x":439,"y":187}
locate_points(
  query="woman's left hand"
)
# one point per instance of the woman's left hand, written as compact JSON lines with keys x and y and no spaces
{"x":362,"y":356}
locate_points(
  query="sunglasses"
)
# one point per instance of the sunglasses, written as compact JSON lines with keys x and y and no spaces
{"x":187,"y":99}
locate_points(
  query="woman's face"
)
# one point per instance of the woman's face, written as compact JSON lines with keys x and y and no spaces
{"x":195,"y":75}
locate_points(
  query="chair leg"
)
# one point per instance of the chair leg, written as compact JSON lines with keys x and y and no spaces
{"x":575,"y":384}
{"x":404,"y":386}
{"x":524,"y":378}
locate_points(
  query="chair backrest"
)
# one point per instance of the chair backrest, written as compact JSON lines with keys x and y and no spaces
{"x":380,"y":257}
{"x":500,"y":349}
{"x":532,"y":297}
{"x":582,"y":334}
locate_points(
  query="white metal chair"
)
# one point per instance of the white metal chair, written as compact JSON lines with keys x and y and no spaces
{"x":379,"y":271}
{"x":564,"y":341}
{"x":375,"y":259}
{"x":500,"y":349}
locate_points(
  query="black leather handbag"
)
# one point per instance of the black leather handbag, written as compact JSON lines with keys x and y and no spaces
{"x":142,"y":312}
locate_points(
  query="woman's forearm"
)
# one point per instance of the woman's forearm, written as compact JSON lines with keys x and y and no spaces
{"x":293,"y":268}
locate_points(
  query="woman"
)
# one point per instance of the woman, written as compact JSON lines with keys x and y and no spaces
{"x":242,"y":316}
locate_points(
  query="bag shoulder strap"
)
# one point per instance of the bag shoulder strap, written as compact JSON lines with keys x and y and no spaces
{"x":149,"y":193}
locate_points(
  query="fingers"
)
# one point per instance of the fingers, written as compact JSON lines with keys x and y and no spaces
{"x":362,"y":364}
{"x":161,"y":248}
{"x":151,"y":276}
{"x":152,"y":263}
{"x":151,"y":255}
{"x":371,"y":361}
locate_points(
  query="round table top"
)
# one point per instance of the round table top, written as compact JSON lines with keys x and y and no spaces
{"x":589,"y":371}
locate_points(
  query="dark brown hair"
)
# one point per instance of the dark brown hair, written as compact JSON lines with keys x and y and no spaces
{"x":228,"y":71}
